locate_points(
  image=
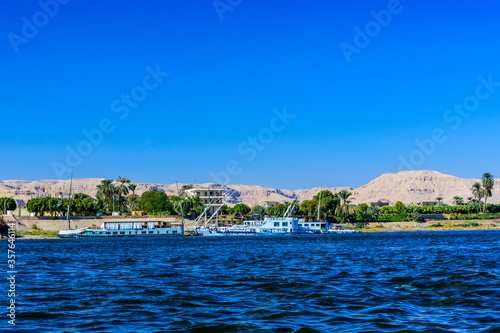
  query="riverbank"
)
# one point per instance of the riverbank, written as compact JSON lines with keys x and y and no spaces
{"x":429,"y":229}
{"x":371,"y":230}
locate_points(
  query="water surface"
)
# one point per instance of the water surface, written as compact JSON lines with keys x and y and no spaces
{"x":432,"y":281}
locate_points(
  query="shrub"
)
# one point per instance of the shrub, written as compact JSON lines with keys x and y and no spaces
{"x":4,"y":228}
{"x":417,"y":217}
{"x":359,"y":225}
{"x":399,"y":207}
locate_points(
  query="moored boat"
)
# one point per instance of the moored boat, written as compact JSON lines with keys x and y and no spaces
{"x":131,"y":229}
{"x":125,"y":229}
{"x":268,"y":226}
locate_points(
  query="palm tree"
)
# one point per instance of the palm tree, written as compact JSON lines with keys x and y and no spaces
{"x":439,"y":201}
{"x":345,"y":209}
{"x":106,"y":191}
{"x":132,"y":187}
{"x":458,"y":201}
{"x":477,"y":192}
{"x":122,"y":189}
{"x":488,"y":183}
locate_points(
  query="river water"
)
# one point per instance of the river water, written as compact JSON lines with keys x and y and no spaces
{"x":392,"y":282}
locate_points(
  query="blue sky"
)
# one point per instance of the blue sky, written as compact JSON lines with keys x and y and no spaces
{"x":347,"y":123}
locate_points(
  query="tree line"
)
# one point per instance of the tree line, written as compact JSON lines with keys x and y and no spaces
{"x":119,"y":195}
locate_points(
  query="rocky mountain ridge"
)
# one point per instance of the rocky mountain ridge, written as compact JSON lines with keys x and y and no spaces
{"x":406,"y":186}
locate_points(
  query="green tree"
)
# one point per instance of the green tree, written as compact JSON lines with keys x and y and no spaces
{"x":80,"y":196}
{"x":458,"y":201}
{"x":194,"y":204}
{"x":477,"y":192}
{"x":34,"y":205}
{"x":47,"y":205}
{"x":309,"y":207}
{"x":488,"y":183}
{"x":439,"y":201}
{"x":329,"y":202}
{"x":374,"y":213}
{"x":345,"y":210}
{"x":7,"y":204}
{"x":133,"y":202}
{"x":132,"y":187}
{"x":122,"y":189}
{"x":106,"y":192}
{"x":259,"y":211}
{"x":417,"y":217}
{"x":241,"y":208}
{"x":362,"y":209}
{"x":399,"y":207}
{"x":154,"y":201}
{"x":226,"y":210}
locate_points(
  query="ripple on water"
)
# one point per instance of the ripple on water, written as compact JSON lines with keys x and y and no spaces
{"x":370,"y":282}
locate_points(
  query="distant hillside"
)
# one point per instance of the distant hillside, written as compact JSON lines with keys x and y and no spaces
{"x":406,"y":186}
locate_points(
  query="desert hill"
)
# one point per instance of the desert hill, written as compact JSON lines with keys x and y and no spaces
{"x":406,"y":186}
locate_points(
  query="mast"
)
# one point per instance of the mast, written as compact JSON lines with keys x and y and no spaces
{"x":180,"y":203}
{"x":319,"y":204}
{"x":69,"y":200}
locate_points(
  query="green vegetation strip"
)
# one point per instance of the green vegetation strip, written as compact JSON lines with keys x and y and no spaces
{"x":36,"y":232}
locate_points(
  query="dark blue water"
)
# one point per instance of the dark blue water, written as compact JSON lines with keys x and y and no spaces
{"x":392,"y":282}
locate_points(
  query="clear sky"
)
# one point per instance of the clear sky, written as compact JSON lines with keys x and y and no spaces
{"x":278,"y":93}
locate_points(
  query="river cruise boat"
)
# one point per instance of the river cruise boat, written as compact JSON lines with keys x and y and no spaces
{"x":126,"y":229}
{"x":268,"y":226}
{"x":312,"y":227}
{"x":322,"y":227}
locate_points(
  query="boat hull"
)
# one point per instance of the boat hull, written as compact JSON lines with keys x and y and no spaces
{"x":105,"y":233}
{"x":159,"y":232}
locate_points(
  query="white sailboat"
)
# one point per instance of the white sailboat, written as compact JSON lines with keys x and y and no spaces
{"x":68,"y":232}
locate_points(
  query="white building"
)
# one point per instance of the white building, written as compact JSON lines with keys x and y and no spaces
{"x":211,"y":197}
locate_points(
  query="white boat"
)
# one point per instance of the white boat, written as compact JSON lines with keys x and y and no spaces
{"x":312,"y":227}
{"x":268,"y":226}
{"x":132,"y":229}
{"x":68,"y":232}
{"x":339,"y":229}
{"x":71,"y":233}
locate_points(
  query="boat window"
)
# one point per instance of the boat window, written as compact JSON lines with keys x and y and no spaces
{"x":174,"y":232}
{"x":151,"y":232}
{"x":143,"y":232}
{"x":115,"y":232}
{"x":108,"y":233}
{"x":276,"y":224}
{"x":285,"y":224}
{"x":122,"y":232}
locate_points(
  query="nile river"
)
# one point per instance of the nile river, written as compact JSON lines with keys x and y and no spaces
{"x":413,"y":282}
